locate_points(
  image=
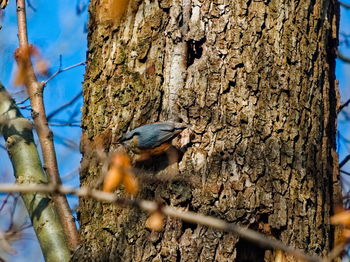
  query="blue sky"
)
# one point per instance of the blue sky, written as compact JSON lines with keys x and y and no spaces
{"x":56,"y":29}
{"x":343,"y":76}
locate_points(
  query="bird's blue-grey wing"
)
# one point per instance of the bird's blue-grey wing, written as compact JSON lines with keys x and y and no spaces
{"x":154,"y":136}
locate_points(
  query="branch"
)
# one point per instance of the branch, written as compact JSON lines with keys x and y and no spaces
{"x":343,"y":105}
{"x":345,"y":5}
{"x":344,"y":172}
{"x":345,"y":160}
{"x":17,"y":131}
{"x":4,"y":202}
{"x":60,"y":70}
{"x":151,"y":206}
{"x":64,"y":124}
{"x":55,"y":112}
{"x":31,"y":6}
{"x":35,"y":91}
{"x":343,"y":57}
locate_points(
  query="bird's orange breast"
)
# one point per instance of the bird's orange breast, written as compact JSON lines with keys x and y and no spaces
{"x":157,"y":150}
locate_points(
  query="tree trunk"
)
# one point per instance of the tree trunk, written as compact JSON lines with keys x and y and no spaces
{"x":255,"y":81}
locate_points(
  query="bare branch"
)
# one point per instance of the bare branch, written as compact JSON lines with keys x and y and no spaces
{"x":64,"y":124}
{"x":343,"y":105}
{"x":31,"y":6}
{"x":151,"y":206}
{"x":344,"y":172}
{"x":345,"y":5}
{"x":23,"y":153}
{"x":25,"y":107}
{"x":23,"y":101}
{"x":35,"y":91}
{"x":70,"y":175}
{"x":4,"y":202}
{"x":345,"y":160}
{"x":67,"y":142}
{"x":56,"y":111}
{"x":60,"y":70}
{"x":343,"y":57}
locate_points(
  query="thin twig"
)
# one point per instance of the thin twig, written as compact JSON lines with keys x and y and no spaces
{"x":344,"y":172}
{"x":25,"y":107}
{"x":4,"y":202}
{"x":343,"y":105}
{"x":345,"y":5}
{"x":345,"y":160}
{"x":64,"y":124}
{"x":60,"y":70}
{"x":35,"y":91}
{"x":151,"y":206}
{"x":72,"y":101}
{"x":343,"y":57}
{"x":67,"y":142}
{"x":31,"y":6}
{"x":13,"y":209}
{"x":70,"y":175}
{"x":23,"y":101}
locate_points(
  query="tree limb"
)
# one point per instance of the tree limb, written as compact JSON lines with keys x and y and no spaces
{"x":151,"y":206}
{"x":35,"y":91}
{"x":17,"y":131}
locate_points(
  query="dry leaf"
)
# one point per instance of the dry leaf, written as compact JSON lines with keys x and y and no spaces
{"x":155,"y":221}
{"x":130,"y":183}
{"x":341,"y":218}
{"x":120,"y":171}
{"x":346,"y":233}
{"x":112,"y":179}
{"x":22,"y":56}
{"x":121,"y":159}
{"x":42,"y":67}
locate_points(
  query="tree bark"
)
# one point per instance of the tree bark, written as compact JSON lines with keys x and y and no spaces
{"x":255,"y":81}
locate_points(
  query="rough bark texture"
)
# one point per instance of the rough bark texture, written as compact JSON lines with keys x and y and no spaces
{"x":255,"y":80}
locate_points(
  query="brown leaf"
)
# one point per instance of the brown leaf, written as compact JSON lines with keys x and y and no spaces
{"x":22,"y":56}
{"x":120,"y":171}
{"x":112,"y":179}
{"x":42,"y":67}
{"x":121,"y":159}
{"x":155,"y":221}
{"x":130,"y":183}
{"x":20,"y":76}
{"x":341,"y":218}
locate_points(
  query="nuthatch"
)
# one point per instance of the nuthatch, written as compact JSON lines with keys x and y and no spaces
{"x":152,"y":139}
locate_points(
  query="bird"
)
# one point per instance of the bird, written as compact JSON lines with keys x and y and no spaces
{"x":152,"y":139}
